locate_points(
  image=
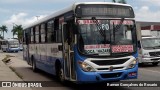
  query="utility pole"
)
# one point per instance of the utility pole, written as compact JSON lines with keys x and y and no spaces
{"x":37,"y":17}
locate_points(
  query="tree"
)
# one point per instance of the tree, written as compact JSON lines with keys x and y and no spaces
{"x":1,"y":37}
{"x":18,"y":30}
{"x":120,"y":1}
{"x":1,"y":34}
{"x":3,"y":29}
{"x":114,"y":1}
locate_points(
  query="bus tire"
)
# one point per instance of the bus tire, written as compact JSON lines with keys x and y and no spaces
{"x":34,"y":68}
{"x":59,"y":72}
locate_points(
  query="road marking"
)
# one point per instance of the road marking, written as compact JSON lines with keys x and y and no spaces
{"x":149,"y":70}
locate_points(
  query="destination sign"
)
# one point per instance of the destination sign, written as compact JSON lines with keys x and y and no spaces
{"x":116,"y":11}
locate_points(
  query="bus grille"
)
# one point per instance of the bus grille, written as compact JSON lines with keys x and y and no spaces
{"x":154,"y":54}
{"x":110,"y":62}
{"x":108,"y":68}
{"x":111,"y":75}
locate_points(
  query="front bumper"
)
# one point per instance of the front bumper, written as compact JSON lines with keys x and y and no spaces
{"x":110,"y":76}
{"x":13,"y":49}
{"x":150,"y":59}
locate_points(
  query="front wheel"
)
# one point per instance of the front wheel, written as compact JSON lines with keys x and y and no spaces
{"x":34,"y":68}
{"x":60,"y":73}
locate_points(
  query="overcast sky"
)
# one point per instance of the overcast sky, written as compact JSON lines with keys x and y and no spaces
{"x":25,"y":11}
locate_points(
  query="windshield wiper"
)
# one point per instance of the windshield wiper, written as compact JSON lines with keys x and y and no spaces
{"x":116,"y":28}
{"x":99,"y":27}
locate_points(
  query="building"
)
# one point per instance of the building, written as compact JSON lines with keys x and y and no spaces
{"x":149,"y":28}
{"x":154,"y":30}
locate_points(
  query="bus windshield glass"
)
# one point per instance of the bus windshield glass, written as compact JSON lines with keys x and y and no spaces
{"x":148,"y":43}
{"x":13,"y":43}
{"x":106,"y":37}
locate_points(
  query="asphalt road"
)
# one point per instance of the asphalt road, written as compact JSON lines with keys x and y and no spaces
{"x":146,"y":73}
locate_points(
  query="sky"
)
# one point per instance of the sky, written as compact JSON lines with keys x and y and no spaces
{"x":24,"y":12}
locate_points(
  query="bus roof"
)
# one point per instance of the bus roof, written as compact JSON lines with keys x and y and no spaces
{"x":70,"y":8}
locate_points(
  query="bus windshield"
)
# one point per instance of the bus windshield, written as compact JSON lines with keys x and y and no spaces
{"x":103,"y":37}
{"x":151,"y":43}
{"x":13,"y":42}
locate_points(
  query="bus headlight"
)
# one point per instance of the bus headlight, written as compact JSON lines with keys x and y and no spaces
{"x":86,"y":67}
{"x":132,"y":64}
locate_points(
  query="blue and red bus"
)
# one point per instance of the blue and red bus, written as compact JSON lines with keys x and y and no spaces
{"x":86,"y":42}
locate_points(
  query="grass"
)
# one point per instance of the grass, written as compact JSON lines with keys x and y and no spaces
{"x":20,"y":76}
{"x":6,"y":60}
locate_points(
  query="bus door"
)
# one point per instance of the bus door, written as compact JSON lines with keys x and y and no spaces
{"x":68,"y":55}
{"x":26,"y":48}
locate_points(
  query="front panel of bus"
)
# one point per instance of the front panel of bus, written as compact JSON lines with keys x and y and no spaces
{"x":106,"y":47}
{"x":13,"y":46}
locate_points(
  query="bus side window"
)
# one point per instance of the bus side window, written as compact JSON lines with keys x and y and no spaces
{"x":50,"y":31}
{"x":37,"y":34}
{"x":57,"y":36}
{"x":43,"y":33}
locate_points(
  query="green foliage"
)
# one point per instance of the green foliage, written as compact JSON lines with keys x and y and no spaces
{"x":18,"y":30}
{"x":114,"y":1}
{"x":120,"y":1}
{"x":1,"y":37}
{"x":3,"y":29}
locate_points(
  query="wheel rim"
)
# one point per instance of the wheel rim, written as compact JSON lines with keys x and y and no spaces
{"x":61,"y":75}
